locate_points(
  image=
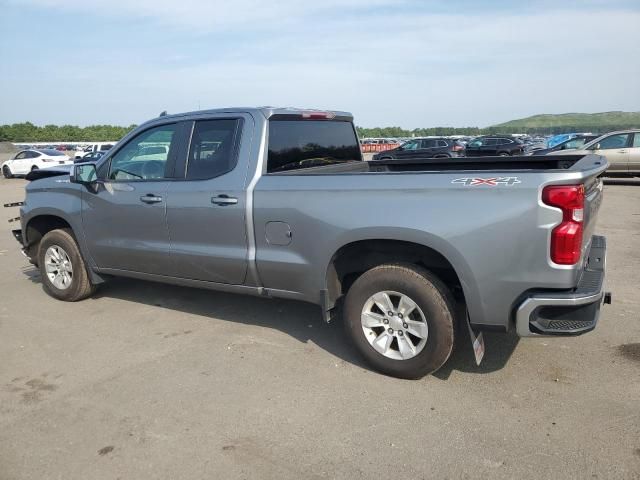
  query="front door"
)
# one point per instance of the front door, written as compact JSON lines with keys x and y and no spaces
{"x":616,"y":149}
{"x":19,"y":165}
{"x":206,"y":210}
{"x":125,"y":220}
{"x":634,"y":154}
{"x":409,"y":149}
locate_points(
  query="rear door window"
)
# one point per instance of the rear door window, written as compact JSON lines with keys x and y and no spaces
{"x":213,"y":149}
{"x":297,"y":144}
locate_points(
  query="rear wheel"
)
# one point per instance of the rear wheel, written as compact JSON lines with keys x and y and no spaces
{"x":6,"y":171}
{"x":401,"y":319}
{"x":504,"y":154}
{"x":64,"y":273}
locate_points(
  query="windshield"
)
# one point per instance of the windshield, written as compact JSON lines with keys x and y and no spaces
{"x":295,"y":144}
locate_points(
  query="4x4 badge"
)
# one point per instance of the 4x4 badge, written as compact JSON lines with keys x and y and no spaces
{"x":492,"y":182}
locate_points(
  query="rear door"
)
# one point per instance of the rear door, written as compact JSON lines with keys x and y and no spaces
{"x":489,"y":147}
{"x":206,"y":208}
{"x":429,"y":147}
{"x":616,"y":149}
{"x":124,"y":220}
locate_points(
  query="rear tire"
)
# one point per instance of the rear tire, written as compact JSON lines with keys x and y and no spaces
{"x":64,"y":273}
{"x":421,"y":321}
{"x":6,"y":171}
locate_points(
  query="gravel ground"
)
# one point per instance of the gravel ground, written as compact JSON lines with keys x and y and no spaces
{"x":152,"y":381}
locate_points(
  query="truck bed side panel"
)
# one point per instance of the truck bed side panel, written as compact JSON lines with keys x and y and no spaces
{"x":495,"y":236}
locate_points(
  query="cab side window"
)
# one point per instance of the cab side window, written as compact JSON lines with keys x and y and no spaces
{"x":144,"y":157}
{"x":213,"y":149}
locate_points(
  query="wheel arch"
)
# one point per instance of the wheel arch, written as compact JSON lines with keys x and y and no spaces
{"x":355,"y":257}
{"x":42,"y":222}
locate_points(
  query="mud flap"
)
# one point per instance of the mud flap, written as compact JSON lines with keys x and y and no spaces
{"x":477,"y":342}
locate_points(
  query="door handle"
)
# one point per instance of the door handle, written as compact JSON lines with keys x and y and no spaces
{"x":224,"y":200}
{"x":622,"y":151}
{"x":150,"y":198}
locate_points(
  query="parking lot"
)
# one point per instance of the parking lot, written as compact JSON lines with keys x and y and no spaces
{"x":153,"y":381}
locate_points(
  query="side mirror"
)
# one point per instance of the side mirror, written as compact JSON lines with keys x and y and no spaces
{"x":83,"y":173}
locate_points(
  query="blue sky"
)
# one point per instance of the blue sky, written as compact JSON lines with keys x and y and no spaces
{"x":404,"y":62}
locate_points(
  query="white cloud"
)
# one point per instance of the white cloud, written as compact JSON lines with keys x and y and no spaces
{"x":400,"y":64}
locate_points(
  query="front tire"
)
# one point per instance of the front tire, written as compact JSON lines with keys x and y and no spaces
{"x":64,"y":273}
{"x":6,"y":171}
{"x":401,"y":319}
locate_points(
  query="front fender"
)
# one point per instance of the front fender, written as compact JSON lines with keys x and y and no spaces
{"x":56,"y":196}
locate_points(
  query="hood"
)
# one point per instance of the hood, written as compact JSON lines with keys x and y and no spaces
{"x":49,"y":172}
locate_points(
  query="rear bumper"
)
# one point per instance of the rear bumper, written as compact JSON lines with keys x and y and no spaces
{"x":568,"y":313}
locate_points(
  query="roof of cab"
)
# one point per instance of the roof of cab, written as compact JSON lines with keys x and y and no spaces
{"x":267,"y":112}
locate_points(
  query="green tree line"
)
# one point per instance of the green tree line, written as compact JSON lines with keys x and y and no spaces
{"x":28,"y":132}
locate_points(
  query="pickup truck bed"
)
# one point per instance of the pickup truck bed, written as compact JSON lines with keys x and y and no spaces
{"x":289,"y":209}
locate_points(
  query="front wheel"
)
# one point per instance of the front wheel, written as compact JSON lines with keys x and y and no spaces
{"x":6,"y":171}
{"x":503,"y":154}
{"x":64,"y":273}
{"x":401,"y":319}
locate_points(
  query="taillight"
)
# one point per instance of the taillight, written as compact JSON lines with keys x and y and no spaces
{"x":566,"y":238}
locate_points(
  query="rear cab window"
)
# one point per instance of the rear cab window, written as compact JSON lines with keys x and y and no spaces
{"x":301,"y":143}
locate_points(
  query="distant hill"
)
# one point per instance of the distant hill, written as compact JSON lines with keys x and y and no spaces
{"x":604,"y":121}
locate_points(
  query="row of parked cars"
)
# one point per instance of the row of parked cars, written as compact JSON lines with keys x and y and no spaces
{"x":621,"y":148}
{"x":31,"y":159}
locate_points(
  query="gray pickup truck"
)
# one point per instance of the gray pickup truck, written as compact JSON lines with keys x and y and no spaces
{"x":279,"y":203}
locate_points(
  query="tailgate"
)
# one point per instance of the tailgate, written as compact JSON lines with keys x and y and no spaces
{"x":592,"y":201}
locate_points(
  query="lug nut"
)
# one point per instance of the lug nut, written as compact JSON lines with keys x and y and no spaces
{"x":400,"y":316}
{"x":385,"y":321}
{"x":404,"y":325}
{"x":390,"y":313}
{"x":400,"y":333}
{"x":390,"y":331}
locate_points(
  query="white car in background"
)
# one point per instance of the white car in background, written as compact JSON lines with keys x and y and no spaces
{"x":26,"y":161}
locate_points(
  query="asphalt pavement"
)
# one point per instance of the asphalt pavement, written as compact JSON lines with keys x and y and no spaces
{"x":148,"y":381}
